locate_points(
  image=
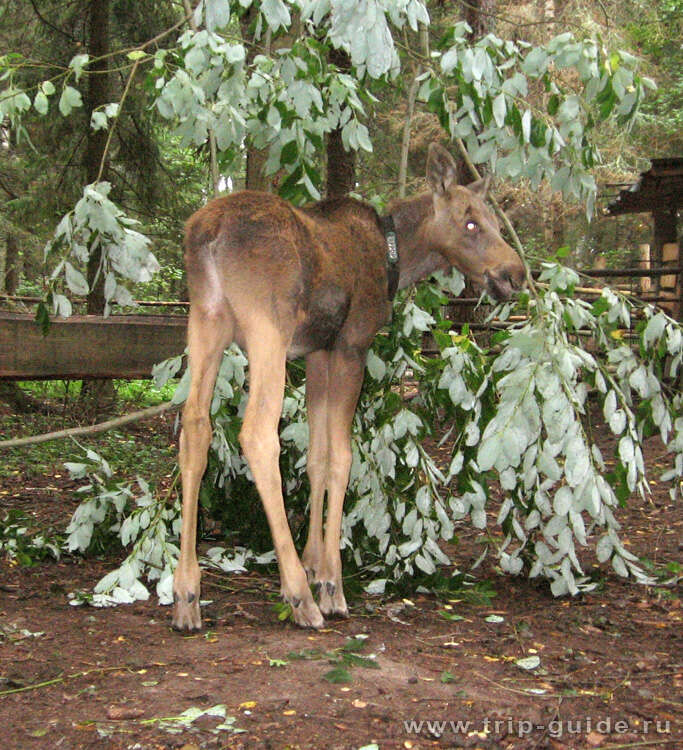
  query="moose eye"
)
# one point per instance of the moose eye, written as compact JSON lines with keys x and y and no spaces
{"x":472,"y":227}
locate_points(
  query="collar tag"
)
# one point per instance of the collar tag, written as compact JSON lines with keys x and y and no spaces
{"x":389,"y":230}
{"x":392,"y":247}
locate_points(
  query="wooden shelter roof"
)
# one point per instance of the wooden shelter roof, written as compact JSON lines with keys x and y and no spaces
{"x":658,"y":189}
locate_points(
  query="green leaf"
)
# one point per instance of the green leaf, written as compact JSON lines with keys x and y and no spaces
{"x":447,"y":677}
{"x":563,"y":501}
{"x":451,"y":616}
{"x":499,"y":110}
{"x":276,"y":13}
{"x":354,"y":645}
{"x":78,"y":63}
{"x":526,"y":125}
{"x":136,"y":54}
{"x":41,"y":103}
{"x":98,"y":120}
{"x":217,"y":14}
{"x":283,"y":610}
{"x":69,"y":99}
{"x":75,"y":280}
{"x":338,"y":675}
{"x":600,"y":306}
{"x":308,"y":654}
{"x":488,"y":453}
{"x":376,"y":366}
{"x":536,"y":62}
{"x":619,"y":566}
{"x":289,"y":153}
{"x":356,"y":660}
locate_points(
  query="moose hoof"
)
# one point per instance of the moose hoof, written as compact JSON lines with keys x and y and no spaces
{"x":186,"y":617}
{"x":306,"y":613}
{"x":331,"y":600}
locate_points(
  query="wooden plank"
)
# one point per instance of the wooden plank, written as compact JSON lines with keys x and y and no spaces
{"x":670,"y":252}
{"x":87,"y":346}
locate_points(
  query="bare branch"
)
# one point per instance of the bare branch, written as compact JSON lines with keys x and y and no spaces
{"x":94,"y":429}
{"x":50,"y":25}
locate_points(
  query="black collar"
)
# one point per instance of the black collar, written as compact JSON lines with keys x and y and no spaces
{"x":389,"y":229}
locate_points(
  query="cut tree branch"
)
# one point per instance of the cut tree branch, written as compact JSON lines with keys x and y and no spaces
{"x":94,"y":429}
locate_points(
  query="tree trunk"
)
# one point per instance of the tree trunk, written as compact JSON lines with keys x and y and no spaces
{"x":549,"y":9}
{"x":3,"y":263}
{"x":479,"y":16}
{"x":97,"y":94}
{"x":341,"y":164}
{"x":12,"y":261}
{"x":256,"y":178}
{"x":96,"y":393}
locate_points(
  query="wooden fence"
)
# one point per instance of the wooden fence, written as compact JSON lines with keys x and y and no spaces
{"x":88,"y":346}
{"x":127,"y":346}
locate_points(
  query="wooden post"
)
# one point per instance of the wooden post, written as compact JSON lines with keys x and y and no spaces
{"x":672,"y":284}
{"x":666,"y":234}
{"x":644,"y":253}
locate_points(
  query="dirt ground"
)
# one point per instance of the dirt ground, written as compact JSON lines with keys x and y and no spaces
{"x":426,"y":672}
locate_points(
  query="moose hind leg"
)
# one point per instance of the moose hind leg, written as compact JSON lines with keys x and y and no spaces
{"x":317,"y":459}
{"x":345,"y":380}
{"x":209,"y":332}
{"x":261,"y":445}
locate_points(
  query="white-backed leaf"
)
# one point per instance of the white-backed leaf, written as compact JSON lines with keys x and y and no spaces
{"x":75,"y":280}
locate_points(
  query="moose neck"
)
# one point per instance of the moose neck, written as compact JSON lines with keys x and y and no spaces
{"x":418,"y":258}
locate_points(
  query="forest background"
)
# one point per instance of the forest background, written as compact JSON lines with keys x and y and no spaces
{"x":160,"y":183}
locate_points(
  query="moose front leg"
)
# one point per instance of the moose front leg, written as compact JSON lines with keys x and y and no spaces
{"x":346,"y":370}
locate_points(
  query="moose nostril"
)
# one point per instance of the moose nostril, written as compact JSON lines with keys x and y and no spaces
{"x":513,"y":275}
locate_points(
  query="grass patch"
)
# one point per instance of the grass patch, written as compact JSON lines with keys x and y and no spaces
{"x":65,"y":393}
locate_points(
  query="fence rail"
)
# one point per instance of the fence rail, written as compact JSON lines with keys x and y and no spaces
{"x":127,"y":346}
{"x":88,"y":346}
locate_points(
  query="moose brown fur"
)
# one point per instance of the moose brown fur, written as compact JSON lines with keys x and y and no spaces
{"x":282,"y":282}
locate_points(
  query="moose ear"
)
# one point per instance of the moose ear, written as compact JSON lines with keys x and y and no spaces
{"x":442,"y":171}
{"x":480,"y":187}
